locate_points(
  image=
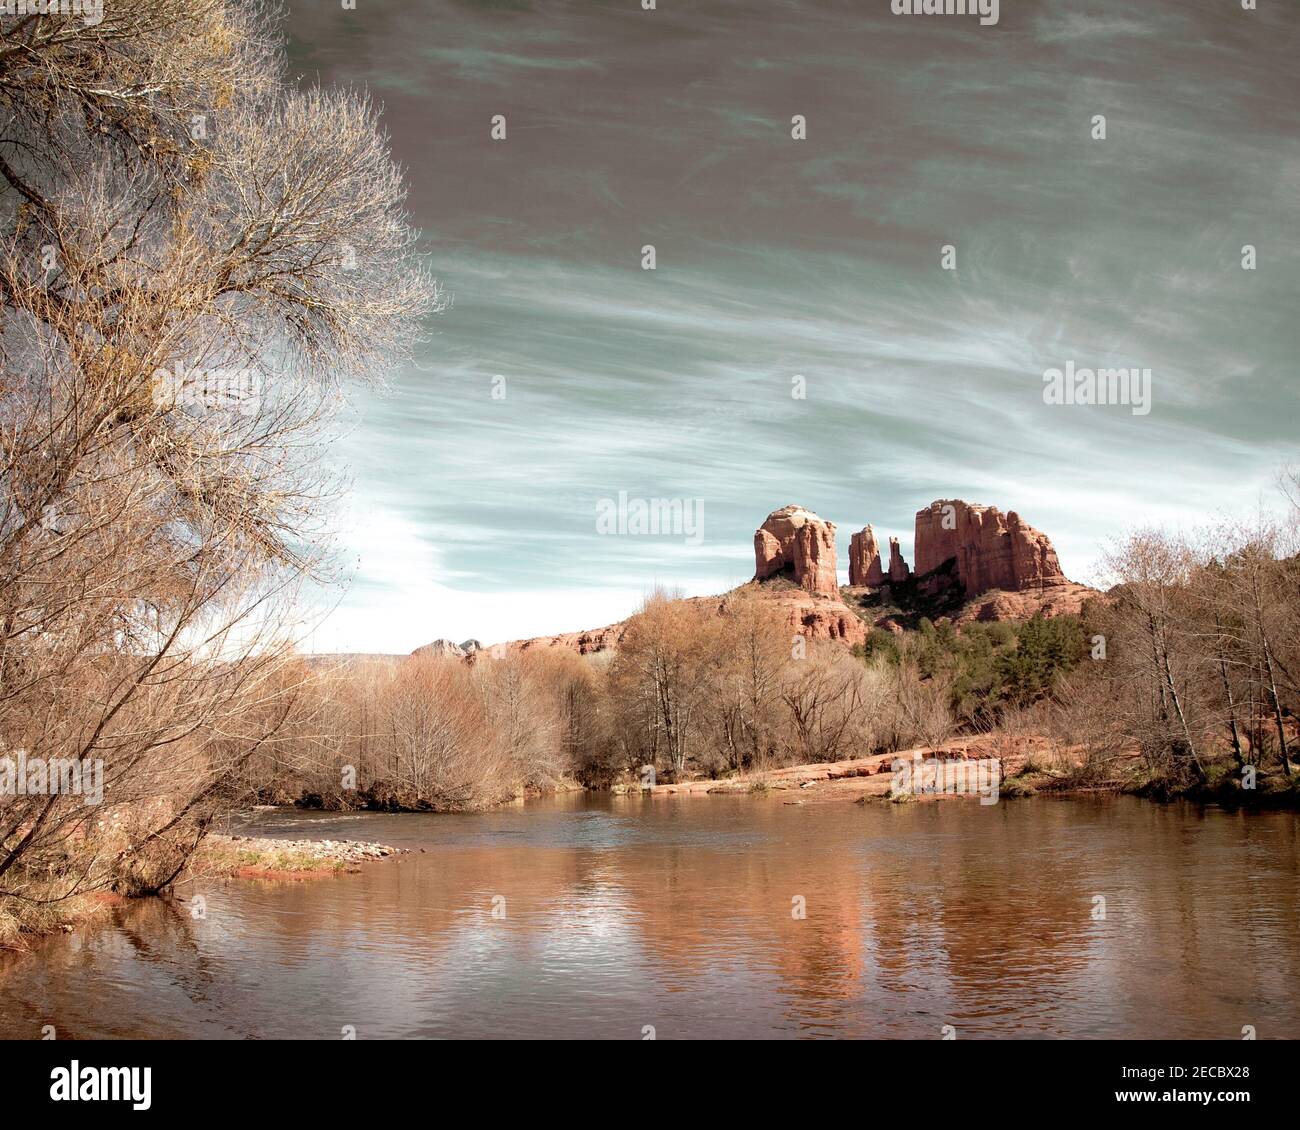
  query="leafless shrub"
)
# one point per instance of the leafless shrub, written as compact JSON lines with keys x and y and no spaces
{"x":169,"y":206}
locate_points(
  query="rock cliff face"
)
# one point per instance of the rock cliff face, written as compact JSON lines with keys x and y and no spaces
{"x":992,"y":550}
{"x":897,"y":566}
{"x":584,"y":643}
{"x":864,"y":559}
{"x":1000,"y":569}
{"x":809,"y":616}
{"x":796,"y":542}
{"x":1065,"y":599}
{"x":816,"y":619}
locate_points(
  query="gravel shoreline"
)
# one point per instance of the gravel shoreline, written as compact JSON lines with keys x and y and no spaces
{"x":347,"y":851}
{"x":264,"y":857}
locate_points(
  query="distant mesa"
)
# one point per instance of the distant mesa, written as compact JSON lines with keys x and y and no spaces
{"x":441,"y":649}
{"x":445,"y":649}
{"x":977,"y":546}
{"x":972,"y":563}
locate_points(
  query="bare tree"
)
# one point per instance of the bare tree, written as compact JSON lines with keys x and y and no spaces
{"x":1154,"y":651}
{"x":657,"y":677}
{"x":196,"y":258}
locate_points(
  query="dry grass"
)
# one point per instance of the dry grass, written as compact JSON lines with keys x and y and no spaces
{"x":222,"y":859}
{"x":21,"y":922}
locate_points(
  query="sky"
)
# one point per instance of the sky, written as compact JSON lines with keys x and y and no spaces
{"x":563,"y":372}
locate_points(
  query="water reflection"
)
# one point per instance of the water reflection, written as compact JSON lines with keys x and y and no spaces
{"x":676,"y":913}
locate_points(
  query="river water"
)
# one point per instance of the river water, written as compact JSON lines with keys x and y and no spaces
{"x":597,"y":916}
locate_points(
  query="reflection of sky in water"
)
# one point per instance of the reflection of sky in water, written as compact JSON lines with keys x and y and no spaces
{"x":676,"y":913}
{"x":576,"y":829}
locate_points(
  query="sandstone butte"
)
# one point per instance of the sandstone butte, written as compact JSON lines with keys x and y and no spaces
{"x":992,"y":550}
{"x":1003,"y":568}
{"x":898,"y":571}
{"x":864,"y":559}
{"x":796,"y":542}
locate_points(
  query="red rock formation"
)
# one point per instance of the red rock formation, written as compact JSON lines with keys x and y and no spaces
{"x":992,"y":550}
{"x":864,"y":559}
{"x":997,"y":555}
{"x":822,"y":619}
{"x":814,"y":618}
{"x":897,"y":566}
{"x":584,"y":643}
{"x":796,"y":541}
{"x":1064,"y":599}
{"x":441,"y":649}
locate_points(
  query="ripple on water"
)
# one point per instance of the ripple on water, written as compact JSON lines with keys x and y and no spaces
{"x":679,"y":913}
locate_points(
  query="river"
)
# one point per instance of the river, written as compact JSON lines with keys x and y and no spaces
{"x":624,"y":917}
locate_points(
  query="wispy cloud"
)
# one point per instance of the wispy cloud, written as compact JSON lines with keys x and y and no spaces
{"x":820,"y":259}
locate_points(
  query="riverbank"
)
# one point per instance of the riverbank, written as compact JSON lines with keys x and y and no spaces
{"x":218,"y":857}
{"x":1028,"y":766}
{"x":259,"y":857}
{"x":384,"y":796}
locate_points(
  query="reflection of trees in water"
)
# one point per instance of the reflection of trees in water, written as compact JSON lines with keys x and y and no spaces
{"x":917,"y":916}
